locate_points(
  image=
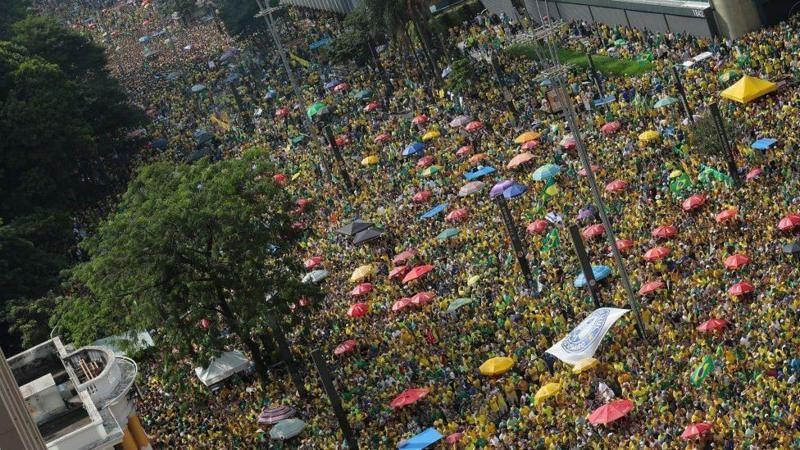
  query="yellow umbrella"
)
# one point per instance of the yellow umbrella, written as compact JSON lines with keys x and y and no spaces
{"x":547,"y":391}
{"x":675,"y":174}
{"x":584,"y":365}
{"x":473,"y":280}
{"x":496,"y":366}
{"x":370,"y":160}
{"x":430,"y":135}
{"x":362,"y":272}
{"x":649,"y":135}
{"x":296,"y":176}
{"x":527,"y":136}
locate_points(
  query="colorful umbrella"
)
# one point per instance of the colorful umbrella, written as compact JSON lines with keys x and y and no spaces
{"x":420,"y":119}
{"x":345,"y":347}
{"x":694,"y":202}
{"x":458,"y":303}
{"x":312,"y":262}
{"x":616,"y":186}
{"x":649,"y":136}
{"x":470,"y":188}
{"x":546,"y":172}
{"x":584,"y":365}
{"x":527,"y":136}
{"x":431,"y":171}
{"x":423,"y":298}
{"x":593,"y":231}
{"x":361,"y":289}
{"x":695,"y":430}
{"x":656,"y":253}
{"x":496,"y":366}
{"x":404,"y":256}
{"x":362,"y":272}
{"x":712,"y":325}
{"x":474,"y":126}
{"x":447,"y":234}
{"x":398,"y":272}
{"x":358,"y":310}
{"x":664,"y":232}
{"x":430,"y":135}
{"x":741,"y":288}
{"x":421,"y":196}
{"x":457,"y":215}
{"x":651,"y":286}
{"x":610,"y":412}
{"x":275,"y":414}
{"x":537,"y":226}
{"x":370,"y":160}
{"x":417,"y":272}
{"x":736,"y":261}
{"x":498,"y":188}
{"x":519,"y":160}
{"x":401,"y":304}
{"x":547,"y":391}
{"x":408,"y":397}
{"x":729,"y":215}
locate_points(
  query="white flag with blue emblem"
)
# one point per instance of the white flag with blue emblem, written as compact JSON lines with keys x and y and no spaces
{"x":583,"y":340}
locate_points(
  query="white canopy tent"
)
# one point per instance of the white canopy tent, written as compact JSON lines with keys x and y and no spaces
{"x":223,"y":367}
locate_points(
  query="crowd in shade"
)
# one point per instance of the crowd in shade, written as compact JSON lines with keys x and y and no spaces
{"x":711,"y":255}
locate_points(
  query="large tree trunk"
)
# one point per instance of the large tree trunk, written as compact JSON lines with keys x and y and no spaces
{"x":426,"y":46}
{"x":255,"y":351}
{"x":387,"y":84}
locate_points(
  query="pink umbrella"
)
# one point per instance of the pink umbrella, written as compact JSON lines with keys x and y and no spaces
{"x":595,"y":168}
{"x":624,"y":245}
{"x":457,"y":215}
{"x":423,"y":298}
{"x":610,"y":412}
{"x":695,"y":430}
{"x":473,"y":126}
{"x":280,"y":179}
{"x":345,"y":347}
{"x":616,"y":186}
{"x":665,"y":232}
{"x":408,"y":397}
{"x":741,"y":288}
{"x":537,"y":226}
{"x":312,"y":262}
{"x":729,"y":215}
{"x":421,"y":196}
{"x":651,"y":286}
{"x":657,"y":253}
{"x":361,"y":289}
{"x":736,"y":261}
{"x":372,"y":106}
{"x":420,"y":119}
{"x":358,"y":310}
{"x":610,"y":127}
{"x":454,"y":438}
{"x":418,"y":272}
{"x":789,"y":222}
{"x":712,"y":325}
{"x":593,"y":231}
{"x":530,"y":145}
{"x":281,"y":112}
{"x":465,"y":150}
{"x":398,"y":272}
{"x":425,"y":161}
{"x":694,"y":202}
{"x":753,"y":174}
{"x":401,"y":304}
{"x":341,"y":87}
{"x":381,"y":138}
{"x":404,"y":256}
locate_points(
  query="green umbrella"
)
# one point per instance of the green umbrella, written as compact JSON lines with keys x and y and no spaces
{"x":316,"y":109}
{"x":287,"y":429}
{"x":430,"y":171}
{"x":363,"y":94}
{"x":298,"y":139}
{"x":458,"y":303}
{"x":620,"y":42}
{"x":447,"y":234}
{"x":546,"y":172}
{"x":666,"y":101}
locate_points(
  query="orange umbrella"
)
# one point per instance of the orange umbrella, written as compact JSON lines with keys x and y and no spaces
{"x":345,"y":347}
{"x":361,"y":289}
{"x":519,"y":160}
{"x":616,"y":186}
{"x":420,"y":119}
{"x":401,"y":304}
{"x":694,"y":202}
{"x":665,"y":232}
{"x":729,"y":215}
{"x":593,"y":231}
{"x":610,"y":412}
{"x":695,"y":430}
{"x":651,"y":286}
{"x":478,"y":158}
{"x":457,"y":215}
{"x":404,"y":256}
{"x":399,"y":271}
{"x":408,"y":397}
{"x":358,"y":310}
{"x":656,"y":253}
{"x":473,"y":126}
{"x":741,"y":288}
{"x":417,"y":272}
{"x":712,"y":325}
{"x":736,"y":261}
{"x":423,"y":298}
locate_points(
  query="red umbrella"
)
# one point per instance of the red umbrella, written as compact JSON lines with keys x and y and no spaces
{"x":569,"y":143}
{"x":401,"y":258}
{"x":616,"y":186}
{"x":736,"y":261}
{"x":401,"y":304}
{"x":651,"y":286}
{"x":303,"y":301}
{"x":341,"y":87}
{"x":610,"y":127}
{"x":417,"y":272}
{"x":345,"y":347}
{"x":695,"y":430}
{"x":665,"y":232}
{"x":312,"y":262}
{"x":457,"y":215}
{"x":712,"y":325}
{"x":421,"y":196}
{"x":358,"y":310}
{"x":610,"y":412}
{"x":281,"y":112}
{"x":741,"y":288}
{"x":656,"y":253}
{"x":593,"y":231}
{"x":465,"y":150}
{"x":381,"y":138}
{"x":425,"y":161}
{"x":280,"y":179}
{"x":729,"y":215}
{"x":530,"y":145}
{"x":372,"y":106}
{"x":398,"y":272}
{"x":423,"y":298}
{"x":302,"y":202}
{"x":624,"y":245}
{"x":753,"y":173}
{"x":420,"y":119}
{"x":537,"y":226}
{"x":595,"y":168}
{"x":454,"y":438}
{"x":789,"y":222}
{"x":473,"y":126}
{"x":694,"y":202}
{"x":362,"y":289}
{"x":204,"y":323}
{"x":408,"y":397}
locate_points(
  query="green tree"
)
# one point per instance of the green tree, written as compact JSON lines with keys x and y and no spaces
{"x":239,"y":16}
{"x":462,"y":77}
{"x":187,"y":243}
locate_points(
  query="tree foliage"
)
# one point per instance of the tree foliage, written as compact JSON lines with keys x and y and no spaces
{"x":462,"y":77}
{"x":239,"y":16}
{"x":187,"y":243}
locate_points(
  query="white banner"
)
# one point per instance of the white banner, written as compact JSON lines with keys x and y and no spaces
{"x":582,"y":342}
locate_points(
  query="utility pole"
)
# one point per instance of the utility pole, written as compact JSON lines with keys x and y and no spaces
{"x":516,"y":244}
{"x":286,"y":354}
{"x":682,"y":94}
{"x":726,"y":144}
{"x":333,"y":396}
{"x":586,"y":265}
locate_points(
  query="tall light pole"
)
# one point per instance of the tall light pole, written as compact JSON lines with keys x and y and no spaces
{"x":555,"y":74}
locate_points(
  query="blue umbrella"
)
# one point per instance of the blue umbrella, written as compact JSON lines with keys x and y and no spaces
{"x":546,"y":172}
{"x":332,"y":84}
{"x":479,"y":173}
{"x":233,"y":77}
{"x":413,"y":149}
{"x":498,"y":188}
{"x":433,"y":211}
{"x":144,"y":39}
{"x":320,"y":43}
{"x":599,"y":273}
{"x":421,"y":441}
{"x":515,"y":190}
{"x":271,"y":95}
{"x":764,"y":143}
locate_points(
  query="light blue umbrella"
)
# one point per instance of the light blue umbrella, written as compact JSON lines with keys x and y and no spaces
{"x":271,"y":95}
{"x":664,"y":102}
{"x":286,"y":429}
{"x":599,"y":273}
{"x":198,"y":88}
{"x":332,"y":84}
{"x":764,"y":143}
{"x":447,"y":234}
{"x":144,"y":39}
{"x":433,"y":211}
{"x":546,"y":172}
{"x":458,"y":303}
{"x":414,"y":149}
{"x":363,"y":94}
{"x":479,"y":173}
{"x":515,"y":190}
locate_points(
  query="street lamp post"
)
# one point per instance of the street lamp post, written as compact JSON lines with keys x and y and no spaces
{"x":337,"y":154}
{"x":513,"y":235}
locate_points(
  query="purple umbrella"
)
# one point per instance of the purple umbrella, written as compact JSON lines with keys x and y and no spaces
{"x":275,"y":415}
{"x":498,"y":188}
{"x":586,"y":213}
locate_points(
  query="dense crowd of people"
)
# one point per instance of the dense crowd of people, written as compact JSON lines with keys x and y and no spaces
{"x":751,"y":398}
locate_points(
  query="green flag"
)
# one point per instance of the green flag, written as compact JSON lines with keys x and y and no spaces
{"x":709,"y":174}
{"x":550,"y":241}
{"x":680,"y":184}
{"x":702,"y":371}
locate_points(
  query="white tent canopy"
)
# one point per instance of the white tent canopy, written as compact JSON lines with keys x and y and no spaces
{"x":223,"y":367}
